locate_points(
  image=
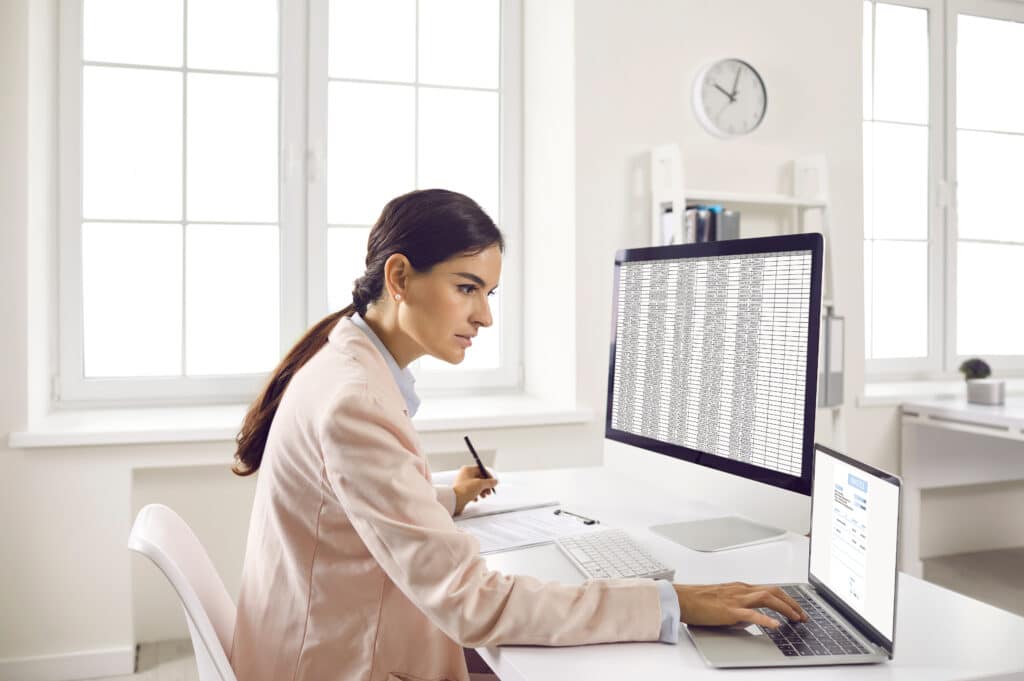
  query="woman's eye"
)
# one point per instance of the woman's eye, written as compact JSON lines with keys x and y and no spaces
{"x":467,"y":288}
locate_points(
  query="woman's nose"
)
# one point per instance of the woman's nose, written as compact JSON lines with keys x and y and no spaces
{"x":483,"y":314}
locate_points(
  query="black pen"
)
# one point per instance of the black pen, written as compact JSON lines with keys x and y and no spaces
{"x":479,"y":464}
{"x":585,"y":519}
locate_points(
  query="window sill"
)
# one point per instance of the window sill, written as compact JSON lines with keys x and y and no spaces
{"x":895,"y":393}
{"x":219,"y":423}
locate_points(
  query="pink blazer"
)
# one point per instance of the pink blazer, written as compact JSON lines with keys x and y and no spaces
{"x":355,"y":570}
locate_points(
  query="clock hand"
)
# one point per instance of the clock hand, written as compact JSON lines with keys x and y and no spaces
{"x":735,"y":82}
{"x":722,"y":90}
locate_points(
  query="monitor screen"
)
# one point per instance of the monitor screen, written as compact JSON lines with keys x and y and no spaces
{"x":714,"y":354}
{"x":854,"y":523}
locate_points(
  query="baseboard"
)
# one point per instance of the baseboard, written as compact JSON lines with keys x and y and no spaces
{"x":87,"y":664}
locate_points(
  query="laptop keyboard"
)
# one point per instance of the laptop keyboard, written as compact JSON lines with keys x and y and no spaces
{"x":819,"y":635}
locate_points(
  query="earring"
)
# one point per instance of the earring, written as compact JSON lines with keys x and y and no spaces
{"x":398,"y":296}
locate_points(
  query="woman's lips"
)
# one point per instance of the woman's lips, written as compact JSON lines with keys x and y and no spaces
{"x":466,"y":341}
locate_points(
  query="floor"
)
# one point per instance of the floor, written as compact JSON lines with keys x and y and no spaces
{"x":163,"y":661}
{"x":993,"y":577}
{"x":174,"y":661}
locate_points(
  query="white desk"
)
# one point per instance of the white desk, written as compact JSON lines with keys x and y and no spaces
{"x":973,"y":641}
{"x":946,"y":443}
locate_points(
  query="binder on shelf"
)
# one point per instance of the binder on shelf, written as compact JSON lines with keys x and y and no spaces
{"x":711,"y":223}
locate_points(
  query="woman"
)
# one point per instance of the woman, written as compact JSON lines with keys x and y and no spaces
{"x":354,"y":567}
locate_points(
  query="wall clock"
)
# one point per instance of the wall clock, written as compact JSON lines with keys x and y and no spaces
{"x":729,"y":98}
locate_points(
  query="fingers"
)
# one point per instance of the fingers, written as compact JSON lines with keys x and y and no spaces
{"x":768,"y":599}
{"x":483,"y":487}
{"x":791,"y":601}
{"x":748,"y":615}
{"x":473,"y":472}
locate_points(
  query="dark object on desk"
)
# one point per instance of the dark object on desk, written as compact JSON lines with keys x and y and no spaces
{"x":975,"y":368}
{"x":585,"y":519}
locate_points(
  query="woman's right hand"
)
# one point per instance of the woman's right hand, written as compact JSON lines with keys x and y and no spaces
{"x":725,"y":604}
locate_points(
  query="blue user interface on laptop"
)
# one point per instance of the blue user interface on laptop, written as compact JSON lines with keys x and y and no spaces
{"x":854,"y":522}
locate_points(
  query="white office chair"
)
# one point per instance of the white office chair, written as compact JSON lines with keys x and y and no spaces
{"x":162,"y":536}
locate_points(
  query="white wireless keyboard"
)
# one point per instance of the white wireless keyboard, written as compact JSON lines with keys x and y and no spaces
{"x":612,"y":554}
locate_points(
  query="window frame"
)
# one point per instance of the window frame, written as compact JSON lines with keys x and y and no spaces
{"x":509,"y":375}
{"x":991,"y":9}
{"x":302,"y":50}
{"x":942,"y":359}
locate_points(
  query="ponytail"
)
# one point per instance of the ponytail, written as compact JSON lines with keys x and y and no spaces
{"x":252,"y":438}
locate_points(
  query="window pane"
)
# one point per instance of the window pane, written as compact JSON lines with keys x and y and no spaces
{"x":346,"y":261}
{"x":899,"y":299}
{"x":132,"y":31}
{"x":867,"y":59}
{"x":370,"y":149}
{"x":989,"y":169}
{"x":901,"y":64}
{"x":484,"y":353}
{"x":131,"y":299}
{"x":233,"y":35}
{"x":131,"y":144}
{"x":373,"y":39}
{"x":899,"y":192}
{"x":232,"y":148}
{"x":869,"y":269}
{"x":459,"y":42}
{"x":989,"y":95}
{"x":458,"y":144}
{"x":990,"y":278}
{"x":869,"y":180}
{"x":232,"y":299}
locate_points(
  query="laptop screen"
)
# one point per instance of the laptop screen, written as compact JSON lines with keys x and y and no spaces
{"x":854,"y":521}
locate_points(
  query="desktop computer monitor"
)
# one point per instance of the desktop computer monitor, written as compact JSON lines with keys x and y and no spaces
{"x":714,"y":360}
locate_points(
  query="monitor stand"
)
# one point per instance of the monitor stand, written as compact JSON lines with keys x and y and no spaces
{"x":718,"y":534}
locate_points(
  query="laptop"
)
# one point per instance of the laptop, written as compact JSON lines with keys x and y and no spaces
{"x":851,"y":598}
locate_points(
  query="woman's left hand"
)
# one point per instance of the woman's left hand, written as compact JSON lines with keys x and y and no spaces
{"x":470,"y":485}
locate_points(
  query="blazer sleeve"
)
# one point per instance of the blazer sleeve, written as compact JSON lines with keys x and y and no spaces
{"x":446,"y":497}
{"x":378,"y":478}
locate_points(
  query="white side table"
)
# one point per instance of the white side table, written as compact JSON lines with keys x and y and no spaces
{"x":948,"y":443}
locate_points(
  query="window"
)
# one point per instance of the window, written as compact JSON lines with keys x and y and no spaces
{"x":941,"y":133}
{"x":222,"y":162}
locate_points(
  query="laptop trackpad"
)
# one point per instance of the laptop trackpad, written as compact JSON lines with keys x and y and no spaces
{"x":739,"y":645}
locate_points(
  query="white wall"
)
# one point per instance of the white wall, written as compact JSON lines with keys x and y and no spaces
{"x":65,"y":513}
{"x":636,"y":63}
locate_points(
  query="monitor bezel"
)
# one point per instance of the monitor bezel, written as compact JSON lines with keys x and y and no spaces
{"x":812,"y":242}
{"x":832,"y":598}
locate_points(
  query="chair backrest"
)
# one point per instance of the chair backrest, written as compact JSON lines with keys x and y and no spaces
{"x":162,"y":536}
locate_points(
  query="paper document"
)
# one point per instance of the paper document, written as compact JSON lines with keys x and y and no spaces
{"x":517,"y":529}
{"x":510,"y":497}
{"x":490,"y":506}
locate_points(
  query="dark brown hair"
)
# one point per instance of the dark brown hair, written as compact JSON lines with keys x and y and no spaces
{"x":427,"y":226}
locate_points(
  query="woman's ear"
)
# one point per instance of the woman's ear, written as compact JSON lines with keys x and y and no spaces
{"x":397,"y":270}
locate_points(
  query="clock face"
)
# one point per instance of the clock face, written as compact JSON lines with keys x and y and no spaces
{"x":729,"y":98}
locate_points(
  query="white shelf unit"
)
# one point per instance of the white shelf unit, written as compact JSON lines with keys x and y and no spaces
{"x":756,"y":199}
